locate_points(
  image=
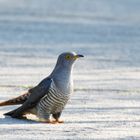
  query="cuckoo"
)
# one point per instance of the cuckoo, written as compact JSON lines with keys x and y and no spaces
{"x":48,"y":99}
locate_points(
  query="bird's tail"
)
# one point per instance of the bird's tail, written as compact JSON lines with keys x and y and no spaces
{"x":15,"y":101}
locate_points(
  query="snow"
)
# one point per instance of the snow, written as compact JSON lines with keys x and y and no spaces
{"x":106,"y":100}
{"x":105,"y":105}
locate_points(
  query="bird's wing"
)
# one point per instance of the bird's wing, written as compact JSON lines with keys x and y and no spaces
{"x":36,"y":94}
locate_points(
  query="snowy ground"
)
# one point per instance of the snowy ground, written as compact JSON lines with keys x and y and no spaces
{"x":106,"y":101}
{"x":105,"y":105}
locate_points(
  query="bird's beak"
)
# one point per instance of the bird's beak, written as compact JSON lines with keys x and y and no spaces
{"x":78,"y":56}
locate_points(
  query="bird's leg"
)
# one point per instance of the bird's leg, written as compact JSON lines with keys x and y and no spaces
{"x":59,"y":121}
{"x":46,"y":119}
{"x":56,"y":117}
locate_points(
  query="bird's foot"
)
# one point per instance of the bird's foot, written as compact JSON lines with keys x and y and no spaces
{"x":53,"y":121}
{"x":58,"y":121}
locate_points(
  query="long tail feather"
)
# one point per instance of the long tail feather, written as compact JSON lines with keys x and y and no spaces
{"x":15,"y":101}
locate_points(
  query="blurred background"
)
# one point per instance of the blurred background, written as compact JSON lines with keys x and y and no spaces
{"x":107,"y":32}
{"x":33,"y":33}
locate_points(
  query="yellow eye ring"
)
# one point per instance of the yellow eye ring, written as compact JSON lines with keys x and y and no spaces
{"x":68,"y":57}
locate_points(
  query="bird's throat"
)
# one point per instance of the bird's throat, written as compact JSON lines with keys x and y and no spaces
{"x":63,"y":79}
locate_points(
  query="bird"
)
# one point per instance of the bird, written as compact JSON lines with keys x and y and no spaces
{"x":48,"y":99}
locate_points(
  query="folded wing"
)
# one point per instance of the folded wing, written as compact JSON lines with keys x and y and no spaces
{"x":36,"y":94}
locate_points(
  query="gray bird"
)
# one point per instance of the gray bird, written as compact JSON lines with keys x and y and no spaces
{"x":50,"y":96}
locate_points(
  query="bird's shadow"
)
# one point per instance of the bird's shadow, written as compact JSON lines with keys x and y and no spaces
{"x":10,"y":121}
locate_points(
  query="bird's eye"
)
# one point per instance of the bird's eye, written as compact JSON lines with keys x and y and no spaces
{"x":68,"y":57}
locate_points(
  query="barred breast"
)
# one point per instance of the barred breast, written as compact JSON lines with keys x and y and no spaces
{"x":53,"y":102}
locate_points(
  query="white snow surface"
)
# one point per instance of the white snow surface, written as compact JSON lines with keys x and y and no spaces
{"x":106,"y":100}
{"x":105,"y":105}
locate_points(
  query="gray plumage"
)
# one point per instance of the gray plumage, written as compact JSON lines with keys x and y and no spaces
{"x":50,"y":96}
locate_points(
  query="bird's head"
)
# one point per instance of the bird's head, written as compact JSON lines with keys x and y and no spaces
{"x":67,"y":59}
